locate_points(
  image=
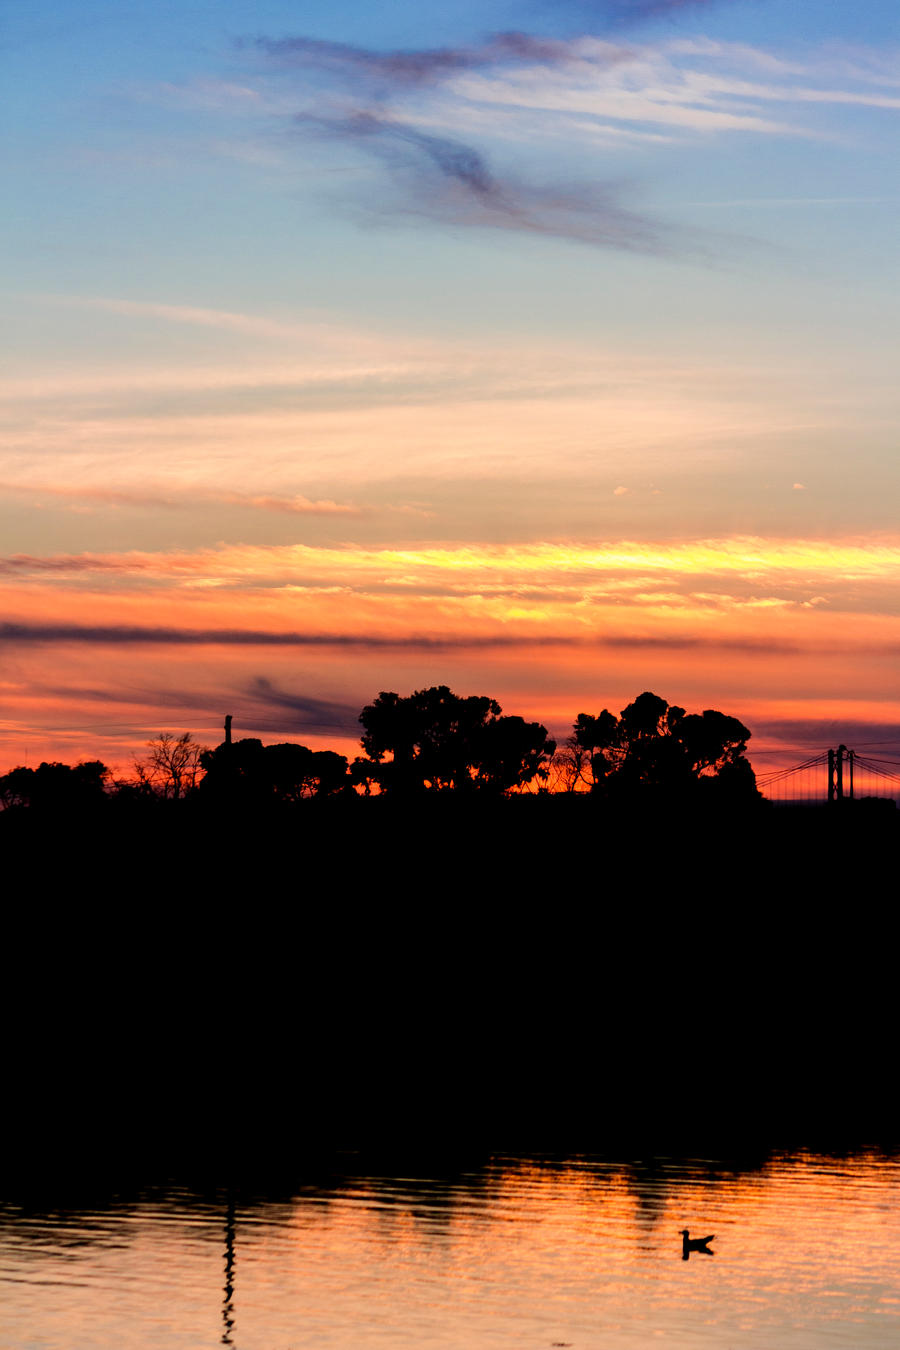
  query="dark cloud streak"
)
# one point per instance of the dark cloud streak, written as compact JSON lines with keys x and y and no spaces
{"x":127,"y":636}
{"x":447,"y":180}
{"x":453,"y":159}
{"x":307,"y":713}
{"x":412,"y":68}
{"x":419,"y":67}
{"x":442,"y":178}
{"x":875,"y":737}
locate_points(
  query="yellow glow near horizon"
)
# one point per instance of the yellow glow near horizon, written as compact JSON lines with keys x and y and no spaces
{"x":766,"y":629}
{"x":748,"y":556}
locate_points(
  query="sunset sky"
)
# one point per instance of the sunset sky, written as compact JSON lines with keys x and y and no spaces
{"x":545,"y":350}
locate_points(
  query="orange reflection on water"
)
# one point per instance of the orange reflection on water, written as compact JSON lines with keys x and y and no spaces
{"x":590,"y":1253}
{"x":520,"y":1251}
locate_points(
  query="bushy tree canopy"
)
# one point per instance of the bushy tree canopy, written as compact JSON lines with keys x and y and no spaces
{"x":55,"y":786}
{"x":434,"y":740}
{"x":653,"y":744}
{"x":284,"y":772}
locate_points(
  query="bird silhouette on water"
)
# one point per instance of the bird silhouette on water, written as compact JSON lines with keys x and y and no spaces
{"x":689,"y":1244}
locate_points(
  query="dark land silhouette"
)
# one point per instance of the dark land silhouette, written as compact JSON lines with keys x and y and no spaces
{"x":272,"y":963}
{"x":432,"y":742}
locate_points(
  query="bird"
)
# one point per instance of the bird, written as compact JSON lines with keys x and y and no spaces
{"x":689,"y":1244}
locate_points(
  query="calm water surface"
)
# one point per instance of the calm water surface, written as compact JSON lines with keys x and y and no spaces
{"x":519,"y":1252}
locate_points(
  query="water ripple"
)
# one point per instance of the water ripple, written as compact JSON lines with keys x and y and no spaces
{"x":521,"y":1251}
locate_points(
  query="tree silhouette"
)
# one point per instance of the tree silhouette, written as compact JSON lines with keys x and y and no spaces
{"x":654,"y":745}
{"x":435,"y":741}
{"x":56,"y":786}
{"x":171,"y":768}
{"x":247,"y":770}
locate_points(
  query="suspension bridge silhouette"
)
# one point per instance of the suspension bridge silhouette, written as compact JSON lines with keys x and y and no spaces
{"x":834,"y":775}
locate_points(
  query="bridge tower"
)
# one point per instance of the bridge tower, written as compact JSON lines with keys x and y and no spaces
{"x":836,"y":760}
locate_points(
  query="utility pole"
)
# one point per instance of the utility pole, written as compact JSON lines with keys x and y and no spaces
{"x":228,"y":730}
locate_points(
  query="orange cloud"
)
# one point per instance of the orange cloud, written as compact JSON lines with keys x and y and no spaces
{"x":551,"y":629}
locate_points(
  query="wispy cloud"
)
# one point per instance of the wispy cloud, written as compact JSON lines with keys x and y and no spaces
{"x":749,"y":556}
{"x":438,"y":175}
{"x":479,"y":585}
{"x":447,"y":179}
{"x":413,"y":68}
{"x":174,"y":498}
{"x":294,"y":506}
{"x":252,"y":325}
{"x":385,"y":71}
{"x":406,"y":109}
{"x":305,"y":713}
{"x":686,"y":86}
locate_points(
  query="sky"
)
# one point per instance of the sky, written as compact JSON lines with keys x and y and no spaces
{"x":543,"y":350}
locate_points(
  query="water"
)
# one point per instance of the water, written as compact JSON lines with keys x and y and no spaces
{"x":518,"y":1252}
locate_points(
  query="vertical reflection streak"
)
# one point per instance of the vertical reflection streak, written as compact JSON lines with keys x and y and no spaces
{"x":228,"y":1305}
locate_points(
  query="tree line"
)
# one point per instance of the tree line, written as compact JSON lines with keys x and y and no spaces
{"x":426,"y":743}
